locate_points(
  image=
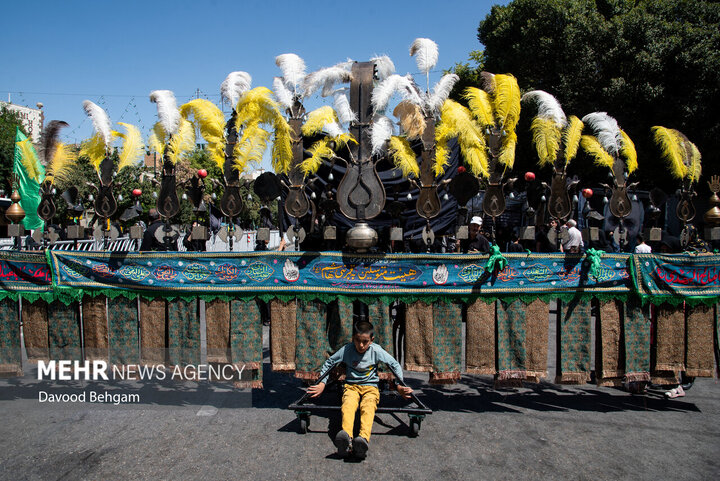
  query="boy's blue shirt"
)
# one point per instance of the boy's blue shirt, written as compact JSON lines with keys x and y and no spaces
{"x":362,"y":368}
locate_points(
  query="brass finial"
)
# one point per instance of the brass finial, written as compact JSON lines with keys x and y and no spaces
{"x":15,"y":213}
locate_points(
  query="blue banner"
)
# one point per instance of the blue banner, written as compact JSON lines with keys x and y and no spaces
{"x":338,"y":273}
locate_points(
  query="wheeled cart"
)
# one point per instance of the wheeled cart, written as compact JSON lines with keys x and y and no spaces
{"x":304,"y":408}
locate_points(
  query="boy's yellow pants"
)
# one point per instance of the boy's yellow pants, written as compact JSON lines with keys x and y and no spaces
{"x":368,"y":398}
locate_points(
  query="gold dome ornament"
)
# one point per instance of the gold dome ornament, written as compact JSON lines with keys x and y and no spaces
{"x":15,"y":213}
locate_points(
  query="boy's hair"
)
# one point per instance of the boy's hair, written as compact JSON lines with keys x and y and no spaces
{"x":364,"y":327}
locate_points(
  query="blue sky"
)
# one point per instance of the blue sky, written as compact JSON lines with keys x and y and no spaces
{"x":115,"y":53}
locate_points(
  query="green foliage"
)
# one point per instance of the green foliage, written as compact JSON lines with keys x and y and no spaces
{"x":9,"y":120}
{"x":645,"y":62}
{"x":469,"y":74}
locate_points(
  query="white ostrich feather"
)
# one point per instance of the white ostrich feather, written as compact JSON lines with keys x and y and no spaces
{"x":234,"y":85}
{"x":100,"y":121}
{"x":385,"y":67}
{"x":326,"y":79}
{"x":342,"y":106}
{"x":441,"y":91}
{"x":380,"y":133}
{"x":404,"y":85}
{"x":548,"y":106}
{"x":168,"y":113}
{"x":333,"y":129}
{"x":282,"y":93}
{"x":293,"y":68}
{"x":426,"y":54}
{"x":606,"y":130}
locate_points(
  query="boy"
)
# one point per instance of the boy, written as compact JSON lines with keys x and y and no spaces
{"x":361,"y":358}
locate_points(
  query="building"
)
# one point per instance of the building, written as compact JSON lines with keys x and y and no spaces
{"x":32,"y":119}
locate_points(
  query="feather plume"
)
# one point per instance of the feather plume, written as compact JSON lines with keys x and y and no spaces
{"x":157,"y":139}
{"x":671,"y":149}
{"x":457,"y":122}
{"x":132,"y":148}
{"x":234,"y":85}
{"x":606,"y":130}
{"x":488,"y":82}
{"x":548,"y":106}
{"x":480,"y":106}
{"x":211,"y":122}
{"x":425,"y":52}
{"x":94,"y":149}
{"x":546,"y":137}
{"x":384,"y":66}
{"x":404,"y":85}
{"x":571,"y":138}
{"x":404,"y":157}
{"x":257,"y":105}
{"x":250,"y":147}
{"x":380,"y":132}
{"x":695,"y":167}
{"x":49,"y":139}
{"x":506,"y":100}
{"x":181,"y":142}
{"x":168,"y":113}
{"x":411,"y":118}
{"x":293,"y":69}
{"x":100,"y":121}
{"x":325,"y":79}
{"x":282,"y":93}
{"x":319,"y":151}
{"x":442,"y":154}
{"x":317,"y":120}
{"x":342,"y":107}
{"x":628,"y":152}
{"x":507,"y":153}
{"x":29,"y":159}
{"x":592,"y":146}
{"x":63,"y":163}
{"x":282,"y":154}
{"x":441,"y":91}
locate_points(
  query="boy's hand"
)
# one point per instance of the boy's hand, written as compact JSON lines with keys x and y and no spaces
{"x":404,"y":391}
{"x":316,"y":389}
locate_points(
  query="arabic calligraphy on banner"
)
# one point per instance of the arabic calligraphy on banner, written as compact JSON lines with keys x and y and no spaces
{"x":24,"y":272}
{"x":677,"y":275}
{"x":336,"y":272}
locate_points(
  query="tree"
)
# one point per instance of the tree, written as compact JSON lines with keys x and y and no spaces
{"x":9,"y":120}
{"x":645,"y":62}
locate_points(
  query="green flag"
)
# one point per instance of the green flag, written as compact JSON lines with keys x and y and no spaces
{"x":28,"y":187}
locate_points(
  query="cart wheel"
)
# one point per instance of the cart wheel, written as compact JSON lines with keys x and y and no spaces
{"x":414,"y":428}
{"x":304,"y":423}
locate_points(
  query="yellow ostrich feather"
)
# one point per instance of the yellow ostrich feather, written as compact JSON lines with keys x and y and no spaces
{"x":672,"y":149}
{"x":628,"y":152}
{"x":411,"y":118}
{"x":480,"y":106}
{"x":506,"y":100}
{"x":132,"y":149}
{"x":29,"y":159}
{"x":442,"y":153}
{"x":95,"y":150}
{"x":62,"y":163}
{"x":251,"y":146}
{"x":182,"y":142}
{"x":571,"y":138}
{"x":546,"y":137}
{"x":695,"y":169}
{"x":343,"y":140}
{"x":507,"y":152}
{"x":317,"y":119}
{"x":403,"y":156}
{"x":282,"y":155}
{"x":457,"y":122}
{"x":592,"y":146}
{"x":320,"y":151}
{"x":211,"y":122}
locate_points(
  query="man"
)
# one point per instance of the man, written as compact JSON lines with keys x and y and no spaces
{"x":641,"y":247}
{"x":573,"y":243}
{"x":476,"y":241}
{"x":149,"y":242}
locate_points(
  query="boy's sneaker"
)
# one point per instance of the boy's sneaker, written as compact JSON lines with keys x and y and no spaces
{"x":342,"y":443}
{"x":360,"y":447}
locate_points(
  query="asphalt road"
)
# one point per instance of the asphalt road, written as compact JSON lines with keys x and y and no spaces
{"x":208,"y":431}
